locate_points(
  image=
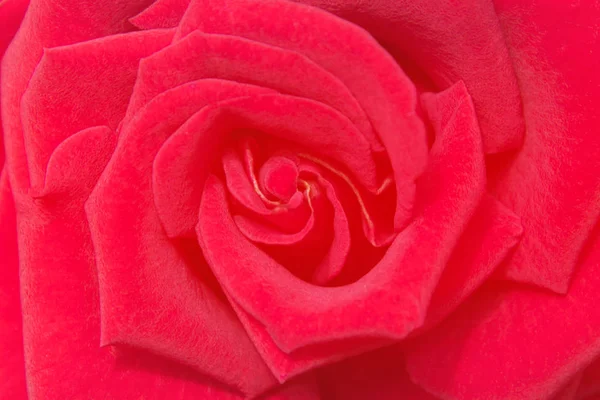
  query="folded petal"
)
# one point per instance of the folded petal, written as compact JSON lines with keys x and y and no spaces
{"x":74,"y":87}
{"x":348,"y":52}
{"x":187,"y":157}
{"x":553,"y":184}
{"x":492,"y":232}
{"x":449,"y":41}
{"x":202,"y":55}
{"x":156,"y":293}
{"x":61,"y":302}
{"x":43,"y":27}
{"x":389,"y":301}
{"x":538,"y":340}
{"x":378,"y":375}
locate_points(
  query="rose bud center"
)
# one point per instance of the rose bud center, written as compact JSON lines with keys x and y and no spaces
{"x":278,"y":176}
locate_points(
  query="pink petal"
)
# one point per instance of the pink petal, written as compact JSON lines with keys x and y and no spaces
{"x":183,"y":162}
{"x":74,"y":87}
{"x":187,"y":157}
{"x":288,"y":219}
{"x":492,"y":232}
{"x":61,"y":313}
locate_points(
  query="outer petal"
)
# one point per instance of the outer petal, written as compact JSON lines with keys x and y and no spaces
{"x":376,"y":375}
{"x":155,"y":293}
{"x":59,"y":286}
{"x":12,"y":368}
{"x":74,"y":87}
{"x":44,"y":27}
{"x":449,"y":41}
{"x":553,"y":183}
{"x":590,"y":381}
{"x":11,"y":14}
{"x":538,"y":341}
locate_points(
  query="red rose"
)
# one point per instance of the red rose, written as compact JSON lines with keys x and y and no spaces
{"x":226,"y":199}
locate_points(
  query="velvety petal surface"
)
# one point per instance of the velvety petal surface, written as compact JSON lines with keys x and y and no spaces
{"x":43,"y":27}
{"x":376,"y":81}
{"x":541,"y":357}
{"x":12,"y":368}
{"x":449,"y":41}
{"x":155,"y":293}
{"x":388,"y":302}
{"x":78,"y":86}
{"x":553,"y":182}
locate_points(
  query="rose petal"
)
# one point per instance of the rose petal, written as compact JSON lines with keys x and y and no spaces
{"x":11,"y":15}
{"x":375,"y":375}
{"x":279,"y":177}
{"x":62,"y":176}
{"x":492,"y":232}
{"x":12,"y":368}
{"x":518,"y":329}
{"x":390,"y":300}
{"x":553,"y":184}
{"x":450,"y":41}
{"x":59,"y":282}
{"x":189,"y":155}
{"x":338,"y":248}
{"x":183,"y":162}
{"x":160,"y":14}
{"x":74,"y":87}
{"x":590,"y":381}
{"x":201,"y":55}
{"x":333,"y":262}
{"x":351,"y":54}
{"x":43,"y":27}
{"x":569,"y":391}
{"x":242,"y":189}
{"x":154,"y":293}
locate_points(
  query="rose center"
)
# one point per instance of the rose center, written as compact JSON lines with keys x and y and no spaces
{"x":278,"y":176}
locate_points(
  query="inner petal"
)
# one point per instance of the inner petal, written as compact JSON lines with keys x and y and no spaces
{"x":279,"y":176}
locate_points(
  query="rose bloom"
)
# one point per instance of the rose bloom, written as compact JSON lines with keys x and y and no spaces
{"x":322,"y":199}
